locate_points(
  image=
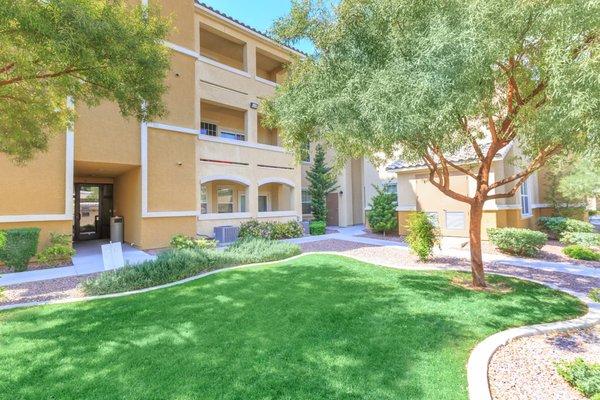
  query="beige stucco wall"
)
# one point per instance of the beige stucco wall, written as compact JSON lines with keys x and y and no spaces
{"x":128,"y":204}
{"x":157,"y":232}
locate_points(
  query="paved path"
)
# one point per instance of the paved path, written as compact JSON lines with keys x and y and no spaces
{"x":88,"y":260}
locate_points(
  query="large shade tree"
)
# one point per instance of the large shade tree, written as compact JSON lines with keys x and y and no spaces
{"x":429,"y":78}
{"x":86,"y":49}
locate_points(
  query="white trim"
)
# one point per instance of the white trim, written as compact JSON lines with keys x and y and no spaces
{"x":406,"y":208}
{"x":283,"y":181}
{"x":35,"y":218}
{"x":181,"y":49}
{"x":170,"y":214}
{"x":261,"y":146}
{"x":525,"y":185}
{"x":247,"y":30}
{"x":223,"y":66}
{"x":233,"y":178}
{"x":541,"y":205}
{"x":498,"y":207}
{"x":271,"y":214}
{"x":144,"y":167}
{"x":224,"y":216}
{"x":172,"y":128}
{"x":266,"y":81}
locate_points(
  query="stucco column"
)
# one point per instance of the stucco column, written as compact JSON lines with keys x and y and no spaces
{"x":250,"y":59}
{"x":253,"y":199}
{"x":252,"y":124}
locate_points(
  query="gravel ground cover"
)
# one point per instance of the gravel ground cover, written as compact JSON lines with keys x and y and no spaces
{"x":54,"y":289}
{"x":391,"y":238}
{"x":525,"y":369}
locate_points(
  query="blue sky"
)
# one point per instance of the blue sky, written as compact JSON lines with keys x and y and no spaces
{"x":259,"y":14}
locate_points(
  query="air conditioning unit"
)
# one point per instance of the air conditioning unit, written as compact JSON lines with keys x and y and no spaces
{"x":226,"y":234}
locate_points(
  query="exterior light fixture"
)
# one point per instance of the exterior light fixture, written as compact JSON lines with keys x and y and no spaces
{"x":254,"y":105}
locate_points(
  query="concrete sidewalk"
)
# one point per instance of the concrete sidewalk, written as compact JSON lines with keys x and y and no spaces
{"x":88,"y":260}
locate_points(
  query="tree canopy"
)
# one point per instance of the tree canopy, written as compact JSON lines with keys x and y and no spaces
{"x":429,"y":78}
{"x":86,"y":49}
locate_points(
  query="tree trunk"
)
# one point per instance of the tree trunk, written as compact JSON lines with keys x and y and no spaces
{"x":477,"y":271}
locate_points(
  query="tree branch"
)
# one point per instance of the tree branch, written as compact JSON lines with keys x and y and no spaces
{"x":7,"y":67}
{"x":445,"y":186}
{"x":41,"y":76}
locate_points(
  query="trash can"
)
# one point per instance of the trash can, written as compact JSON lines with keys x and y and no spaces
{"x":116,"y":229}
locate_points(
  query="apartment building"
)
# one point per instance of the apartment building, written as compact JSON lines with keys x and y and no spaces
{"x":207,"y":163}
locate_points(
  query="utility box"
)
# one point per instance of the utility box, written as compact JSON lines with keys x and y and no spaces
{"x":226,"y":234}
{"x":116,"y":229}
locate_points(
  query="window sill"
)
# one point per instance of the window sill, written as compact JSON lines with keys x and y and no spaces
{"x":223,"y":216}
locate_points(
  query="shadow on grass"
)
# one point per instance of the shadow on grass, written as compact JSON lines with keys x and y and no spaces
{"x":318,"y":327}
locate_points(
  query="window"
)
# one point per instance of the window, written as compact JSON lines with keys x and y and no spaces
{"x":263,"y":203}
{"x":306,"y":152}
{"x":232,"y":135}
{"x":455,"y":220}
{"x":306,"y":202}
{"x":203,"y":200}
{"x":391,"y":187}
{"x":206,"y":128}
{"x":224,"y":200}
{"x":243,"y":202}
{"x":433,"y":217}
{"x":525,"y":201}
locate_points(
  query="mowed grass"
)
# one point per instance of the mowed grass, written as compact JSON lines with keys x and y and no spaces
{"x":317,"y":327}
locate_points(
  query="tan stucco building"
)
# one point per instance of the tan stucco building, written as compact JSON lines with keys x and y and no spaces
{"x":207,"y":163}
{"x":416,"y":193}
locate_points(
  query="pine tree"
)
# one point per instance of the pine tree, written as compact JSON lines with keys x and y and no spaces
{"x":322,"y":182}
{"x":382,"y":217}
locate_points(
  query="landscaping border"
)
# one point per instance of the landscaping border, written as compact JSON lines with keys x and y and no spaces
{"x":478,"y":363}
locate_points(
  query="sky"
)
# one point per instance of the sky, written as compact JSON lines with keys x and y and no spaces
{"x":259,"y":14}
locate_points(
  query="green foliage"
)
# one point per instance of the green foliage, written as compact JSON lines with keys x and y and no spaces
{"x":523,"y":242}
{"x":322,"y":181}
{"x":583,"y":376}
{"x":557,"y":226}
{"x":579,"y":252}
{"x":183,"y":242}
{"x":2,"y":295}
{"x":582,"y":180}
{"x":317,"y":228}
{"x":422,"y":236}
{"x":90,"y":50}
{"x":270,"y":230}
{"x":594,"y":294}
{"x":174,"y":265}
{"x":59,"y":251}
{"x":19,"y":247}
{"x":383,"y":216}
{"x":582,"y":238}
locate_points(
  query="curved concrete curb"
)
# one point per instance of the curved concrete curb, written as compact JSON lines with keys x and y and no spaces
{"x":477,"y":366}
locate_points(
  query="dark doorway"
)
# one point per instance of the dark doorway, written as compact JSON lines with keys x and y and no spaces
{"x":333,"y":212}
{"x":93,"y":209}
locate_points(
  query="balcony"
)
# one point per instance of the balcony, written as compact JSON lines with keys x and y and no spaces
{"x":221,"y":50}
{"x":269,"y":68}
{"x":223,"y":199}
{"x":223,"y":122}
{"x":267,"y":136}
{"x":275,"y":199}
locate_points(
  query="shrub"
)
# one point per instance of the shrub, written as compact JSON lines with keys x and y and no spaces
{"x":583,"y":376}
{"x":316,"y":228}
{"x":556,"y":226}
{"x":581,"y":238}
{"x":522,"y":242}
{"x":174,"y":265}
{"x":182,"y":242}
{"x":1,"y":292}
{"x":422,"y":235}
{"x":19,"y":246}
{"x":383,"y":217}
{"x":270,"y":230}
{"x":594,"y":294}
{"x":59,"y":251}
{"x":579,"y":252}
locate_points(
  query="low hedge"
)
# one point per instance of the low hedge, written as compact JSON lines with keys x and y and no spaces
{"x":579,"y":252}
{"x":557,"y":226}
{"x":183,"y":242}
{"x":582,"y":238}
{"x":522,"y":242}
{"x":59,"y":252}
{"x":317,"y":228}
{"x":583,"y":376}
{"x":18,"y":246}
{"x":270,"y":230}
{"x":174,"y":265}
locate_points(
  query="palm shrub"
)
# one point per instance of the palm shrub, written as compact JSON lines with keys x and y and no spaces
{"x":580,"y":252}
{"x":321,"y":181}
{"x":382,"y":216}
{"x":522,"y":242}
{"x":581,"y":238}
{"x":19,"y":246}
{"x":557,"y":226}
{"x":60,"y":250}
{"x":422,"y":235}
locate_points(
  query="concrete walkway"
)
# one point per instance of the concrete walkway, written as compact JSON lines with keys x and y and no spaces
{"x":88,"y":260}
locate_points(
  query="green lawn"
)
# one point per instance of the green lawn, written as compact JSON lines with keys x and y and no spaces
{"x":318,"y":327}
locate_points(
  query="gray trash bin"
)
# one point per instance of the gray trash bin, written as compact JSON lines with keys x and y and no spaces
{"x":116,"y":229}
